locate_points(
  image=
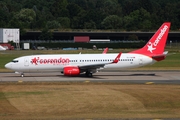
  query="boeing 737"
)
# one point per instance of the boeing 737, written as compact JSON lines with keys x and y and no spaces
{"x":105,"y":50}
{"x":76,"y":64}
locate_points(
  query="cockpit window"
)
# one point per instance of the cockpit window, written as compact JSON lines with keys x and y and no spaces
{"x":15,"y":61}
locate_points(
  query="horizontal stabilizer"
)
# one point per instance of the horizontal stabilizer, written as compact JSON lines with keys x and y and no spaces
{"x":160,"y":56}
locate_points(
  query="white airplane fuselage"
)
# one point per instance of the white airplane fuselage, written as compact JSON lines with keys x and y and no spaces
{"x":57,"y":62}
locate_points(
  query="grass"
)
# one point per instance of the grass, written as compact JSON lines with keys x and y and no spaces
{"x":88,"y":100}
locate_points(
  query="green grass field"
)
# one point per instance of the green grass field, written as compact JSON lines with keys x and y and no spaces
{"x":21,"y":101}
{"x":172,"y":62}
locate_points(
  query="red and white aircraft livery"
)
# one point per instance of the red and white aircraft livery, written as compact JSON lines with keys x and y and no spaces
{"x":76,"y":64}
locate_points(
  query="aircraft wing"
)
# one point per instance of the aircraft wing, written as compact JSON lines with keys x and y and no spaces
{"x":97,"y":66}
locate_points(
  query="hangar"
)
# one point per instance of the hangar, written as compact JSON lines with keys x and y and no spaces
{"x":113,"y":36}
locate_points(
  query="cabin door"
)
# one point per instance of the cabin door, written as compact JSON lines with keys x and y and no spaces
{"x":140,"y":60}
{"x":26,"y":61}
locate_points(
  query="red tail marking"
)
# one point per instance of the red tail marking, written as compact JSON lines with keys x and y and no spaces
{"x":157,"y":43}
{"x":105,"y":51}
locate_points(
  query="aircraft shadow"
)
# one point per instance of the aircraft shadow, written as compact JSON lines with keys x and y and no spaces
{"x":101,"y":76}
{"x":153,"y":74}
{"x":80,"y":76}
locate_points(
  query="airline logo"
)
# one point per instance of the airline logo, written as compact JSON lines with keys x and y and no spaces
{"x":38,"y":60}
{"x":152,"y":46}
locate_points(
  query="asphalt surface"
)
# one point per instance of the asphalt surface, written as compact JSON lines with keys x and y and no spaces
{"x":148,"y":77}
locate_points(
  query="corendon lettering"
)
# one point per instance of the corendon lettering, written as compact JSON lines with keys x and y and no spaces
{"x":160,"y":35}
{"x":152,"y":46}
{"x":38,"y":60}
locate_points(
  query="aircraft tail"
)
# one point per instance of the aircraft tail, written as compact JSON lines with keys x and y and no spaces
{"x":105,"y":50}
{"x":155,"y":46}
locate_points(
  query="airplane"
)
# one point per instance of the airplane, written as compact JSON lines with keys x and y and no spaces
{"x":105,"y":50}
{"x":76,"y":64}
{"x":2,"y":48}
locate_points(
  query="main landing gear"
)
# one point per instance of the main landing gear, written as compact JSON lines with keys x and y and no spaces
{"x":88,"y":74}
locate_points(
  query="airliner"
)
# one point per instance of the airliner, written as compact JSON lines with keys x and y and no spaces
{"x":88,"y":64}
{"x":105,"y":50}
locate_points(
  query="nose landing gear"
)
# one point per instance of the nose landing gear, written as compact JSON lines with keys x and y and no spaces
{"x":22,"y":74}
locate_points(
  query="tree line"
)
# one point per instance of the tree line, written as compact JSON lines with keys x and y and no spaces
{"x":121,"y":15}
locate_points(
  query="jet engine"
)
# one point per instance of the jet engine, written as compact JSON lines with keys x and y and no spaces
{"x":71,"y":71}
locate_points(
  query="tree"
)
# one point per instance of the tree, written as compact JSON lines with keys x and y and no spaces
{"x":81,"y":3}
{"x":26,"y":17}
{"x":74,"y":9}
{"x":53,"y":24}
{"x":138,"y":19}
{"x":111,"y":7}
{"x":4,"y":15}
{"x":93,"y":15}
{"x":171,"y":13}
{"x":58,"y":8}
{"x":112,"y":22}
{"x":46,"y":35}
{"x":75,"y":15}
{"x":64,"y":21}
{"x":46,"y":14}
{"x":80,"y":14}
{"x":90,"y":25}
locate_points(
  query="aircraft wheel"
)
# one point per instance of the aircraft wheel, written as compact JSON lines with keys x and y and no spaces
{"x":22,"y":74}
{"x":88,"y":74}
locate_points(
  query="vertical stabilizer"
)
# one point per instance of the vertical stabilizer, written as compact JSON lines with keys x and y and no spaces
{"x":156,"y":45}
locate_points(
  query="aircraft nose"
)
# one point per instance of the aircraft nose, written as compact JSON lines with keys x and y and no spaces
{"x":8,"y":66}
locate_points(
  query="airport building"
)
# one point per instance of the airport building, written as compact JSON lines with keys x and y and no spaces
{"x":8,"y":35}
{"x":97,"y":36}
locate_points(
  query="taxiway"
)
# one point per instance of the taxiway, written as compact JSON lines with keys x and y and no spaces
{"x":159,"y":77}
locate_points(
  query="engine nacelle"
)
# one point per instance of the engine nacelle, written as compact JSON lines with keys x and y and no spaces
{"x":71,"y":71}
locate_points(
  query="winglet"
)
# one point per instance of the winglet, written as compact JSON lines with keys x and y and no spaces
{"x":117,"y":58}
{"x":105,"y":50}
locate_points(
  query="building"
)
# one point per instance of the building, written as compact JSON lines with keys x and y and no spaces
{"x":8,"y":35}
